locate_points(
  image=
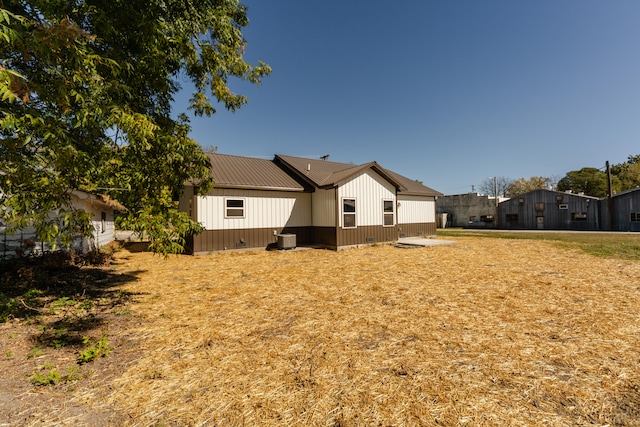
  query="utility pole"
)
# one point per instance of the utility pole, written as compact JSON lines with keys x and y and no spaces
{"x":495,"y":195}
{"x":610,"y":196}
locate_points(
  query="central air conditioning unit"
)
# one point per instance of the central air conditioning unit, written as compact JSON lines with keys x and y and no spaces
{"x":286,"y":241}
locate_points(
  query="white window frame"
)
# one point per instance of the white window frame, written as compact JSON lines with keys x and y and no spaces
{"x":386,"y":214}
{"x":354,"y":213}
{"x":227,"y":208}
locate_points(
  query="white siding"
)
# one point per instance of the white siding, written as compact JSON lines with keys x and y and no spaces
{"x":103,"y":233}
{"x":416,"y":209}
{"x":263,"y":209}
{"x":369,"y":190}
{"x":324,"y":208}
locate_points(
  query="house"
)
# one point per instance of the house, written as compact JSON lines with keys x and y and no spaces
{"x":24,"y":241}
{"x":470,"y":209}
{"x":625,"y":207}
{"x":549,"y":210}
{"x":323,"y":203}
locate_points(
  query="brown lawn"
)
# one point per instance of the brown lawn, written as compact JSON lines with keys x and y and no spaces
{"x":486,"y":332}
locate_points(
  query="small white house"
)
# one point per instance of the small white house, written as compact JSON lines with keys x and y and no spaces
{"x":24,"y":242}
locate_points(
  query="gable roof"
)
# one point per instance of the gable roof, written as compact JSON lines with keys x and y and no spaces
{"x":251,"y":173}
{"x":413,"y":187}
{"x":289,"y":173}
{"x":323,"y":174}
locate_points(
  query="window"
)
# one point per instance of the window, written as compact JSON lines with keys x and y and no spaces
{"x":103,"y":221}
{"x":486,"y":218}
{"x":539,"y":207}
{"x":563,"y":206}
{"x":512,"y":217}
{"x":387,"y":213}
{"x":578,"y":216}
{"x":234,"y":208}
{"x":472,"y":218}
{"x":635,"y":216}
{"x":348,"y":213}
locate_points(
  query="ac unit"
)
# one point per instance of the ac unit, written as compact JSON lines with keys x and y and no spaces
{"x":286,"y":241}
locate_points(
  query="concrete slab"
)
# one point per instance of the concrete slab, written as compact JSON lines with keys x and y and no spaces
{"x":423,"y":242}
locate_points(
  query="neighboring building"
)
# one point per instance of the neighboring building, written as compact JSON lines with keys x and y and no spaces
{"x":470,"y":209}
{"x":549,"y":210}
{"x":323,"y":203}
{"x":24,"y":242}
{"x":626,"y":211}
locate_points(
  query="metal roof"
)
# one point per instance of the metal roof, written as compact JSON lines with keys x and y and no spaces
{"x":279,"y":174}
{"x":413,"y":187}
{"x":322,"y":173}
{"x":248,"y":172}
{"x":319,"y":173}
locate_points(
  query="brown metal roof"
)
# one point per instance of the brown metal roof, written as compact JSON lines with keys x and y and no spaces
{"x":251,"y":173}
{"x":320,"y":173}
{"x":248,"y":172}
{"x":412,"y":187}
{"x":323,"y":173}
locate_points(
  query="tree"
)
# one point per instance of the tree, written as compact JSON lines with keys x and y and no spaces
{"x":86,"y":88}
{"x":495,"y":187}
{"x":590,"y":181}
{"x":523,"y":185}
{"x":628,"y":173}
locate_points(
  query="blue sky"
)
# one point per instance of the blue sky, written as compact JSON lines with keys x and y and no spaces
{"x":446,"y":92}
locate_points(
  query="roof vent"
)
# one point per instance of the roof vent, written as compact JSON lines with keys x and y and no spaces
{"x":308,"y":167}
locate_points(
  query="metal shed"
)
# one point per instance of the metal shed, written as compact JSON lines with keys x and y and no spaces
{"x":626,"y":211}
{"x":549,"y":210}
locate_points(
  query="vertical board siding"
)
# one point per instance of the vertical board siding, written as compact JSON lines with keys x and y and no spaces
{"x":263,"y":209}
{"x":366,"y":235}
{"x":554,"y":218}
{"x":415,"y":209}
{"x":369,"y":189}
{"x":323,"y":208}
{"x":623,"y":206}
{"x":419,"y":229}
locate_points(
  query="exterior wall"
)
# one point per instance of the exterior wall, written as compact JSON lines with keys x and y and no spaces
{"x":104,"y":230}
{"x":323,"y":208}
{"x":219,"y":240}
{"x":366,"y":234}
{"x":369,"y":189}
{"x":267,"y":214}
{"x":415,"y":209}
{"x":465,"y":209}
{"x":557,"y":214}
{"x":417,"y":229}
{"x":263,"y":209}
{"x":24,"y":241}
{"x":416,"y":216}
{"x":624,"y":205}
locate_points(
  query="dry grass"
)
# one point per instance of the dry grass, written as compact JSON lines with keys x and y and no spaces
{"x":486,"y":332}
{"x":482,"y":333}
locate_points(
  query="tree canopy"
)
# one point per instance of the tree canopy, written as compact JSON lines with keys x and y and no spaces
{"x":522,"y":185}
{"x":590,"y":181}
{"x":628,"y":173}
{"x":86,"y":91}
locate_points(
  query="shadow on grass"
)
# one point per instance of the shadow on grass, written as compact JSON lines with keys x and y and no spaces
{"x":66,"y":299}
